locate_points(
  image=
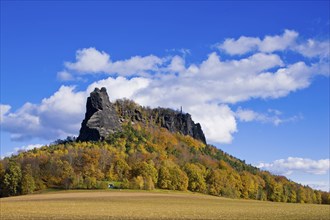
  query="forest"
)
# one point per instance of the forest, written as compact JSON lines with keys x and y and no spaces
{"x":146,"y":157}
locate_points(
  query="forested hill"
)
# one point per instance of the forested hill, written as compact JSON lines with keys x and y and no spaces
{"x":134,"y":147}
{"x":147,"y":157}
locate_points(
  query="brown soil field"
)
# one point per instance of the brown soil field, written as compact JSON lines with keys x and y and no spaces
{"x":113,"y":204}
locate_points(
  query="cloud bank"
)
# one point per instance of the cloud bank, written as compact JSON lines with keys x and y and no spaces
{"x":273,"y":116}
{"x":90,"y":60}
{"x":56,"y":116}
{"x":287,"y":41}
{"x":20,"y":149}
{"x":205,"y":89}
{"x":296,"y":164}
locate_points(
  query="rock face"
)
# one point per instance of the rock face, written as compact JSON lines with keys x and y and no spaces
{"x":101,"y":118}
{"x":174,"y":121}
{"x":179,"y":122}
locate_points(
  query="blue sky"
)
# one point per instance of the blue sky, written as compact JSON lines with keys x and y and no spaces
{"x":255,"y":74}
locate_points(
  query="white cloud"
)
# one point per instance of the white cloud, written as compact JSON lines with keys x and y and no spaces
{"x":269,"y":44}
{"x":57,"y":116}
{"x":4,"y":109}
{"x":177,"y":64}
{"x":20,"y":149}
{"x":184,"y":51}
{"x":24,"y":120}
{"x":287,"y":41}
{"x":237,"y":80}
{"x":275,"y":111}
{"x":90,"y":60}
{"x":273,"y":116}
{"x":64,"y":109}
{"x":64,"y":76}
{"x":274,"y":43}
{"x":136,"y":65}
{"x":27,"y":147}
{"x":240,"y":46}
{"x":314,"y":48}
{"x":215,"y":68}
{"x":322,"y":68}
{"x":319,"y":185}
{"x":218,"y":121}
{"x":296,"y":164}
{"x":247,"y":115}
{"x":121,"y":87}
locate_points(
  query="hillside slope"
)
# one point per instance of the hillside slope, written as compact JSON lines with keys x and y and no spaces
{"x":147,"y":157}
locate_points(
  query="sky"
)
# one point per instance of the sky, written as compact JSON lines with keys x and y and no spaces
{"x":254,"y":74}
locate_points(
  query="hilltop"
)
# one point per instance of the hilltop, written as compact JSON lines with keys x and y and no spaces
{"x":137,"y":147}
{"x":103,"y":118}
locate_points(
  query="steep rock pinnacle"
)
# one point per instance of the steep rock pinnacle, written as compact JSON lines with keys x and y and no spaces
{"x":101,"y":118}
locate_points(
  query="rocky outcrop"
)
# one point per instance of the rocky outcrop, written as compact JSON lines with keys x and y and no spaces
{"x":101,"y":118}
{"x":174,"y":121}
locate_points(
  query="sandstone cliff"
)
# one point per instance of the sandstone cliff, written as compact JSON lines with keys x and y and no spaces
{"x":103,"y":118}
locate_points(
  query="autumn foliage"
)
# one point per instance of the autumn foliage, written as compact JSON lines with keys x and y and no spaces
{"x":147,"y":157}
